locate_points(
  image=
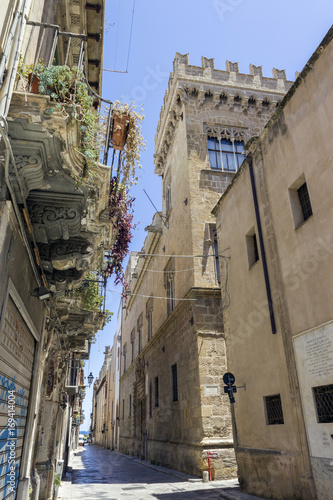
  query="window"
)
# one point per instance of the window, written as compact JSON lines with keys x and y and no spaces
{"x":139,"y":329}
{"x":304,"y":200}
{"x":225,"y":154}
{"x":130,"y":405}
{"x":169,"y":284}
{"x":133,"y":345}
{"x":125,"y":356}
{"x":300,"y":201}
{"x":167,"y":198}
{"x":174,"y":383}
{"x":150,"y":400}
{"x":252,"y":247}
{"x":274,"y":413}
{"x":216,"y":253}
{"x":156,"y":393}
{"x":149,"y":316}
{"x":323,"y":396}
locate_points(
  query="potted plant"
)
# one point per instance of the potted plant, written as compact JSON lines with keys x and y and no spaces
{"x":119,"y":130}
{"x":126,"y":136}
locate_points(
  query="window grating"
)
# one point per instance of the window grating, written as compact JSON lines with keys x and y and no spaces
{"x":324,"y":403}
{"x":255,"y":248}
{"x":174,"y":383}
{"x":156,"y":393}
{"x":304,"y":200}
{"x":274,"y":412}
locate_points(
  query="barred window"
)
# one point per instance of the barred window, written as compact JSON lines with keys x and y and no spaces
{"x":156,"y":393}
{"x":174,"y":383}
{"x":274,"y":413}
{"x":304,"y":200}
{"x":323,"y":396}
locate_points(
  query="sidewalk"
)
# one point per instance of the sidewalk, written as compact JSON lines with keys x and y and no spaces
{"x":78,"y":477}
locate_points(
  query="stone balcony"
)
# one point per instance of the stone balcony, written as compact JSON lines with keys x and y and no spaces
{"x":68,"y":214}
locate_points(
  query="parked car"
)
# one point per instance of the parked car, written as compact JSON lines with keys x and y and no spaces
{"x":81,"y":440}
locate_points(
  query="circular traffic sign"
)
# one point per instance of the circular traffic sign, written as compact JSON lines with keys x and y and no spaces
{"x":229,"y":378}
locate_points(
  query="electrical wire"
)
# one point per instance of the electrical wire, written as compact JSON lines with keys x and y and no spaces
{"x":149,"y":296}
{"x":130,"y":40}
{"x":116,"y":44}
{"x":162,"y":270}
{"x":139,"y":254}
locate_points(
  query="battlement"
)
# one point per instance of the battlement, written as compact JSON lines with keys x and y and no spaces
{"x":226,"y":87}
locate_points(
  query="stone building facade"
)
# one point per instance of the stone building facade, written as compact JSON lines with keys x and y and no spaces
{"x":53,"y":230}
{"x":172,"y":406}
{"x":276,"y":221}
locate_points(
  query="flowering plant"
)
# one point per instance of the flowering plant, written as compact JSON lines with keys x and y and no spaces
{"x":121,"y":213}
{"x":130,"y":157}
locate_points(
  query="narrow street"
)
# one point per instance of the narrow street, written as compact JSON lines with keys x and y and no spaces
{"x":98,"y":473}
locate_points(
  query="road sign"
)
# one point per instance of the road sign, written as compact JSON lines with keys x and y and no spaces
{"x":229,"y":378}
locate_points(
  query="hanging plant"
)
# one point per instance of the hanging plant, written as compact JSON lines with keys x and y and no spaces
{"x":126,"y":136}
{"x":121,"y":214}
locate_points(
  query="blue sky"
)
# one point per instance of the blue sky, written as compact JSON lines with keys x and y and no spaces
{"x":281,"y":34}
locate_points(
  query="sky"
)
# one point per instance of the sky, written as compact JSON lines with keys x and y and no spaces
{"x":281,"y":34}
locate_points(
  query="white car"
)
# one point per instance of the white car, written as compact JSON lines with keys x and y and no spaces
{"x":81,"y":440}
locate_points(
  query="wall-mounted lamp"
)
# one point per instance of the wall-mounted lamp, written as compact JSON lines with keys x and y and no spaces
{"x":41,"y":292}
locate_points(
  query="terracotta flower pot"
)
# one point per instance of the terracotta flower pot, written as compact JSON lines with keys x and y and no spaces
{"x":119,"y":131}
{"x":35,"y":84}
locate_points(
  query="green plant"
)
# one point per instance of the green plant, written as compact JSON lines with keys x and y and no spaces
{"x":89,"y":296}
{"x":69,"y":92}
{"x":57,"y":479}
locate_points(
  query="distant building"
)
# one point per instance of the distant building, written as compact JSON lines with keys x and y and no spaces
{"x":172,"y":406}
{"x":105,"y":415}
{"x":276,"y":220}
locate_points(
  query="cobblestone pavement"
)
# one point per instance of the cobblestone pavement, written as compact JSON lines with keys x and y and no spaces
{"x":99,"y":474}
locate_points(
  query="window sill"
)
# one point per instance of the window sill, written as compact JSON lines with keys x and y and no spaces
{"x":217,"y":170}
{"x":303,"y":222}
{"x":253,"y":265}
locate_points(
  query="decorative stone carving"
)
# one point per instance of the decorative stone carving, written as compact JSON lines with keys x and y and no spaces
{"x":229,"y":133}
{"x":55,"y":216}
{"x":75,"y":20}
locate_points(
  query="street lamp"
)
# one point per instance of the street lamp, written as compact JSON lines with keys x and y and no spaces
{"x":90,"y":379}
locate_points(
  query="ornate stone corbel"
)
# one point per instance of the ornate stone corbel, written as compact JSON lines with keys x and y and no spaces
{"x":201,"y":97}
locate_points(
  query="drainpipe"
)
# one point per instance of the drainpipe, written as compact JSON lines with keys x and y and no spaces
{"x":262,"y":248}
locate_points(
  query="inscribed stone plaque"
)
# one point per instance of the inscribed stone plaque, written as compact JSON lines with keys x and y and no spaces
{"x":212,"y":390}
{"x":314,"y":360}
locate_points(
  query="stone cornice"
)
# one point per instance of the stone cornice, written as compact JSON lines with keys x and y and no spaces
{"x":230,"y":89}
